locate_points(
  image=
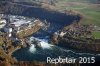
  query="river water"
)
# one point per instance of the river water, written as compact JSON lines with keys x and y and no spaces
{"x":49,"y":50}
{"x":57,"y":22}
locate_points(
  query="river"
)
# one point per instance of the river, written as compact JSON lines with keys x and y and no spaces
{"x":57,"y":21}
{"x":49,"y":50}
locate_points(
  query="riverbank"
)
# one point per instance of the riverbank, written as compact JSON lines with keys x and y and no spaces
{"x":78,"y":37}
{"x":54,"y":17}
{"x":38,"y":12}
{"x":16,"y":29}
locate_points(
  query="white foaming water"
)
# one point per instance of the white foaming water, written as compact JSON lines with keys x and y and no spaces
{"x":45,"y":45}
{"x":43,"y":42}
{"x":32,"y":49}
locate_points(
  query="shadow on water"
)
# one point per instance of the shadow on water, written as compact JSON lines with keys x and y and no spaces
{"x":50,"y":16}
{"x":57,"y":20}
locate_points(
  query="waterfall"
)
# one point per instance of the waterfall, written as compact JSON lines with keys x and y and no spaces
{"x":43,"y":43}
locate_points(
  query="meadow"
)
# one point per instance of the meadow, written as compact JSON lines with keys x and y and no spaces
{"x":90,"y":9}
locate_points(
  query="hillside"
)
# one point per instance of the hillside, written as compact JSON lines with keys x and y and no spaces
{"x":89,"y":8}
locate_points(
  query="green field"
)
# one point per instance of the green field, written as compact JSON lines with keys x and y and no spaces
{"x":88,"y":8}
{"x":96,"y":34}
